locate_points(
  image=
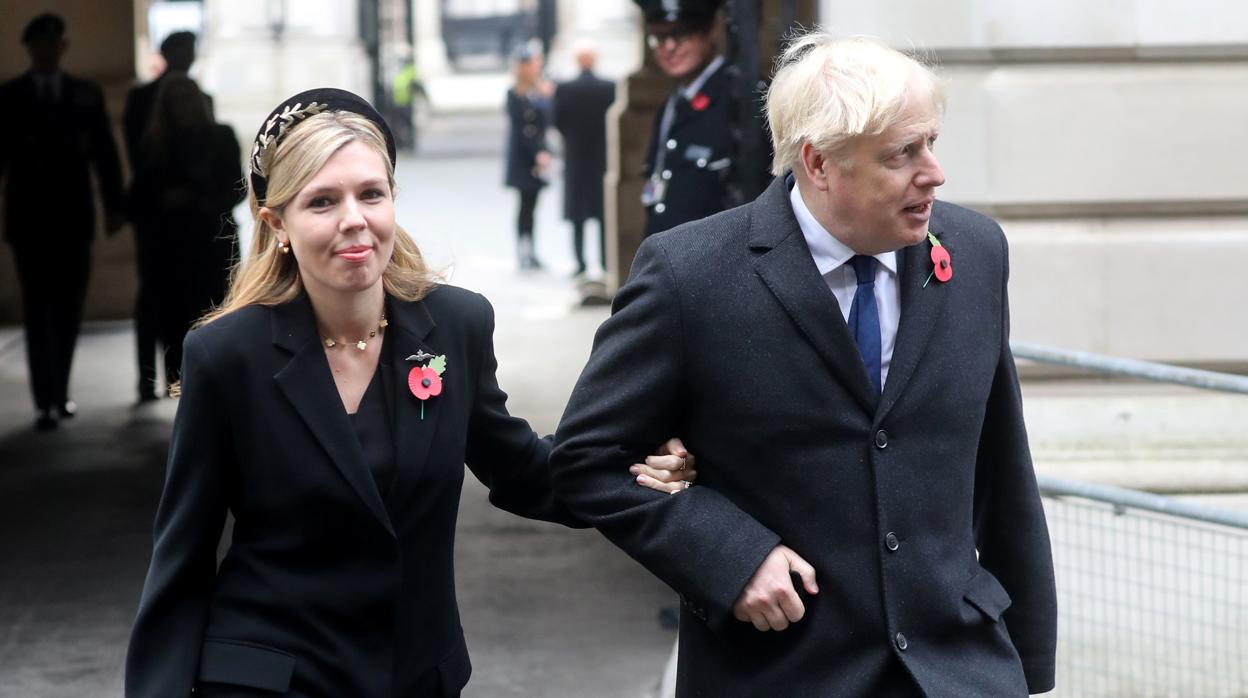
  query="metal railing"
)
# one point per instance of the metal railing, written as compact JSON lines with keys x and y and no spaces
{"x":1152,"y":594}
{"x":1152,"y":591}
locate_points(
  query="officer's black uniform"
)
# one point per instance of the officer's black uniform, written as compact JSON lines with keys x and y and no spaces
{"x":690,"y":153}
{"x":693,"y":160}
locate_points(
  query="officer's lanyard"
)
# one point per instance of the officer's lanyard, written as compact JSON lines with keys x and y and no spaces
{"x":665,"y":125}
{"x":669,"y":110}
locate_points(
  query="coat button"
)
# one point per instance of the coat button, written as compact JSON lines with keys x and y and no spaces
{"x":891,"y":542}
{"x":902,"y":644}
{"x":671,"y":144}
{"x":659,"y":208}
{"x":881,"y":439}
{"x":667,"y":174}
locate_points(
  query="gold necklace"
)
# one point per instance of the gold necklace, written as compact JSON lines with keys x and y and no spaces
{"x":363,"y":343}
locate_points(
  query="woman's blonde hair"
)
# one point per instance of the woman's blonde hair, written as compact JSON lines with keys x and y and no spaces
{"x":266,"y":276}
{"x":827,"y":91}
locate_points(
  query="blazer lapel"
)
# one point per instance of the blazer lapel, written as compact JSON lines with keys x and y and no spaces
{"x":921,"y":310}
{"x":410,"y":325}
{"x":308,"y":384}
{"x":788,"y":271}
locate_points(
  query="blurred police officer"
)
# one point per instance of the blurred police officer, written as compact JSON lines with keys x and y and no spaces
{"x":54,"y":131}
{"x":690,"y":149}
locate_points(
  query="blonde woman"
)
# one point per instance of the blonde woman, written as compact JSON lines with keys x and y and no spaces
{"x":330,"y":405}
{"x":528,"y":156}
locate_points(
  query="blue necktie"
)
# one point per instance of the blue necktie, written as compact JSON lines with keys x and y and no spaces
{"x":864,"y":318}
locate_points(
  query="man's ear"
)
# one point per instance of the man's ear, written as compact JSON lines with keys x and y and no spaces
{"x":813,"y":164}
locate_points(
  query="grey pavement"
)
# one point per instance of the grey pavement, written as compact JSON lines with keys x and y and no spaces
{"x":547,"y":611}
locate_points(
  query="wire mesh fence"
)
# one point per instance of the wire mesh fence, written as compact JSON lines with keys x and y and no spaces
{"x":1152,"y":594}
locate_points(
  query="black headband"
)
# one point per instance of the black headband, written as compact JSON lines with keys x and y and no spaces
{"x":294,"y":110}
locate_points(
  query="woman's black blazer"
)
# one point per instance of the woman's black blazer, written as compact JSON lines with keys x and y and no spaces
{"x":326,"y":590}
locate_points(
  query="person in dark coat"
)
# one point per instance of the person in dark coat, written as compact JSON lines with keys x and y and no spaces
{"x":837,"y":353}
{"x":54,"y":133}
{"x":528,"y":157}
{"x":690,"y":152}
{"x":580,"y":108}
{"x":178,"y":51}
{"x":331,"y":405}
{"x":187,"y":180}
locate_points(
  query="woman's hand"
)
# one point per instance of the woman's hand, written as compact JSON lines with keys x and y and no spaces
{"x":669,"y":469}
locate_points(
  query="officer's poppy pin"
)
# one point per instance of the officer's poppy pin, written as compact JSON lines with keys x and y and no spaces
{"x":700,"y":102}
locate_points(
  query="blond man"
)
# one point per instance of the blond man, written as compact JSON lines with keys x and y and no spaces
{"x":867,"y":521}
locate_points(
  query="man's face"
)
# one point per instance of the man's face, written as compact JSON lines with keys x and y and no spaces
{"x":883,"y":200}
{"x":45,"y":52}
{"x":680,"y":50}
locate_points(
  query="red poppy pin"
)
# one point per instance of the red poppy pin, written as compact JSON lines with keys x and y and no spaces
{"x":426,"y":381}
{"x":942,"y":265}
{"x":700,"y":102}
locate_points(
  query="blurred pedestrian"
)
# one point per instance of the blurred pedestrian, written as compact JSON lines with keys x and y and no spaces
{"x":690,"y":151}
{"x":331,"y":406}
{"x":580,"y":111}
{"x":528,"y":158}
{"x":178,"y":51}
{"x":54,"y":131}
{"x":187,"y":180}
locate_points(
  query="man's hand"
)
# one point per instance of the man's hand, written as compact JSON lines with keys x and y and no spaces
{"x":769,"y":600}
{"x":669,"y":470}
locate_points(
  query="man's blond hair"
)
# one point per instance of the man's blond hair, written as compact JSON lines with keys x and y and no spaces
{"x":828,"y":91}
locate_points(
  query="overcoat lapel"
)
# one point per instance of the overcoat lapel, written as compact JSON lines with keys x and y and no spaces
{"x":789,"y":272}
{"x":308,"y":384}
{"x":410,"y":325}
{"x":921,"y":310}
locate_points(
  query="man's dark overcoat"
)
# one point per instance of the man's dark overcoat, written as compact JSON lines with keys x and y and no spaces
{"x":580,"y":115}
{"x":920,"y":514}
{"x":328,"y":589}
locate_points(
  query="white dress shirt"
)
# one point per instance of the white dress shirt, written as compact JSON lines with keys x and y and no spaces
{"x":832,"y":259}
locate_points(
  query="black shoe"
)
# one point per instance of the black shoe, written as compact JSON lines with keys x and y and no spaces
{"x":45,"y":420}
{"x":67,"y":410}
{"x":533,"y":263}
{"x":145,"y":397}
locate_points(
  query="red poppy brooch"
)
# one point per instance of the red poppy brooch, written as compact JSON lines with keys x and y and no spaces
{"x":942,"y":265}
{"x":700,"y":102}
{"x":426,"y":381}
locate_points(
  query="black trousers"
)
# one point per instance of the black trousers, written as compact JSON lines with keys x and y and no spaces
{"x":578,"y":242}
{"x":53,"y":279}
{"x":524,"y":219}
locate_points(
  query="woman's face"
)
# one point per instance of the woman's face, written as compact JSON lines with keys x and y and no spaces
{"x":340,"y":226}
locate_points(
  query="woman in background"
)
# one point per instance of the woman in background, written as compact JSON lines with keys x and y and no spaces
{"x":528,"y":159}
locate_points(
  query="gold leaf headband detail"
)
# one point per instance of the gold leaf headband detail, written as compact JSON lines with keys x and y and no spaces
{"x":266,"y":142}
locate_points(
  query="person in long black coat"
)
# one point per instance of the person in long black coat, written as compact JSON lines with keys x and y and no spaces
{"x":528,"y":156}
{"x":330,"y":406}
{"x":187,"y":180}
{"x":178,"y":51}
{"x":580,"y":111}
{"x":837,"y":353}
{"x":54,"y":132}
